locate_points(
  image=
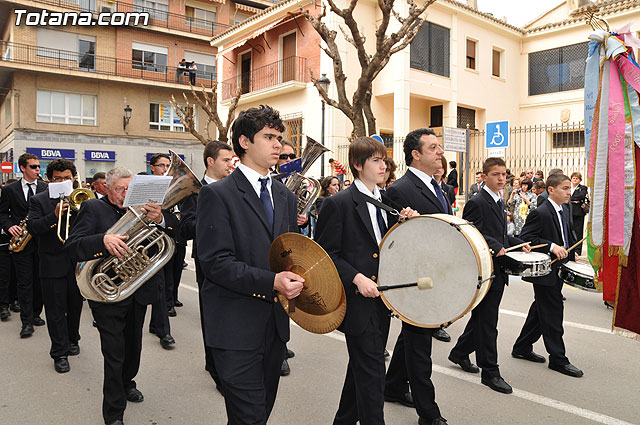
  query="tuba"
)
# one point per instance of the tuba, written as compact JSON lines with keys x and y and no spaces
{"x":306,"y":189}
{"x":113,"y":279}
{"x":18,"y":243}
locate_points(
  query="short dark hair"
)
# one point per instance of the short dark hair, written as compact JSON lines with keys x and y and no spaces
{"x":555,"y":171}
{"x":324,"y":185}
{"x":60,"y":164}
{"x":412,"y":142}
{"x":540,"y":173}
{"x":492,"y":162}
{"x":478,"y":172}
{"x":212,"y":150}
{"x":22,"y":161}
{"x":156,"y":156}
{"x":250,"y":122}
{"x":576,"y":174}
{"x":453,"y":164}
{"x":554,"y":180}
{"x":361,"y":149}
{"x":331,"y":160}
{"x":99,"y":175}
{"x":526,"y":182}
{"x":540,"y":185}
{"x":444,"y":167}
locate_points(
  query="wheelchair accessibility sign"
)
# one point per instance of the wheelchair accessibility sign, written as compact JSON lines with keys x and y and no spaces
{"x":497,"y":134}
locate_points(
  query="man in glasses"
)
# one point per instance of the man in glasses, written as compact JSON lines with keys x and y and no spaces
{"x":99,"y":184}
{"x":61,"y":296}
{"x":159,"y":163}
{"x":119,"y":323}
{"x":14,"y":206}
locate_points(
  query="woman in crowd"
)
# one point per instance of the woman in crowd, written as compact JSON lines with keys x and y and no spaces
{"x":522,"y":200}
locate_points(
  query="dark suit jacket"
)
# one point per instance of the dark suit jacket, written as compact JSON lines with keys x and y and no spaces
{"x":43,"y":225}
{"x":13,"y":206}
{"x":85,"y":242}
{"x":577,"y":199}
{"x":409,"y":190}
{"x":188,"y":210}
{"x":452,"y":178}
{"x":542,"y":227}
{"x":233,"y":240}
{"x":484,"y":213}
{"x":345,"y":231}
{"x":449,"y":192}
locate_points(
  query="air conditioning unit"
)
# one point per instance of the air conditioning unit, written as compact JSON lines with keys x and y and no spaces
{"x":107,"y":8}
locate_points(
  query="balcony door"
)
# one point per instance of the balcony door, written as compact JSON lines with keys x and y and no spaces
{"x":245,"y":72}
{"x":289,"y":57}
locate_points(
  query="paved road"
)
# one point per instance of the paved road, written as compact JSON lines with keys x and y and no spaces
{"x":177,"y":390}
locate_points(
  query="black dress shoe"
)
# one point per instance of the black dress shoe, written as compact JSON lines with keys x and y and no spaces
{"x":404,"y":399}
{"x":184,"y":265}
{"x":4,"y":313}
{"x":465,"y":364}
{"x":442,"y":335}
{"x":152,"y":329}
{"x":61,"y":364}
{"x":177,"y":303}
{"x":436,"y":421}
{"x":498,"y":384}
{"x":37,"y":321}
{"x":134,"y":395}
{"x":95,"y":325}
{"x":285,"y":369}
{"x":290,"y":354}
{"x":26,"y":331}
{"x":116,"y":422}
{"x":531,"y":356}
{"x":172,"y":312}
{"x":167,"y":341}
{"x":74,"y":350}
{"x":568,"y":369}
{"x":15,"y":306}
{"x":386,"y":353}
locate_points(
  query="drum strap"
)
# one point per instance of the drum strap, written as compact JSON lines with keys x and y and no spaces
{"x":387,"y":208}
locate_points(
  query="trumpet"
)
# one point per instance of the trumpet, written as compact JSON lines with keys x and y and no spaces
{"x":75,"y":199}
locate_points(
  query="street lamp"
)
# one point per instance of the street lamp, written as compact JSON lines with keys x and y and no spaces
{"x":127,"y":116}
{"x":324,"y":83}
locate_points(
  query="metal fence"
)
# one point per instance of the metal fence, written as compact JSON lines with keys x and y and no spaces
{"x":293,"y":68}
{"x":65,"y":59}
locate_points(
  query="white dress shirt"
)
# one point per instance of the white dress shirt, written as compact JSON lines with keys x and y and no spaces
{"x":254,"y":179}
{"x":558,"y":208}
{"x":426,"y":179}
{"x":209,"y":180}
{"x":372,"y":208}
{"x":496,"y":197}
{"x":25,"y":187}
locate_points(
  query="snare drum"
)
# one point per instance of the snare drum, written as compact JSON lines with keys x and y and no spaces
{"x":578,"y":275}
{"x":449,"y":250}
{"x":537,"y":263}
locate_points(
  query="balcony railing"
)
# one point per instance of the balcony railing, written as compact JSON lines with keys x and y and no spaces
{"x":103,"y":65}
{"x":157,"y":17}
{"x":293,"y":68}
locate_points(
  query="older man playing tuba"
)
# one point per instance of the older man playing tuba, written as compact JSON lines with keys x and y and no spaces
{"x":119,"y":323}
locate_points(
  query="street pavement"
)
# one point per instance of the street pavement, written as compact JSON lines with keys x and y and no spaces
{"x":177,"y":390}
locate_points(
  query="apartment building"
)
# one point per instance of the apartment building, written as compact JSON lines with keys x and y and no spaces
{"x":100,"y":95}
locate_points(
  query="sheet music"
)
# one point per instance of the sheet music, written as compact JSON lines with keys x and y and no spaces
{"x":63,"y":188}
{"x":143,"y":189}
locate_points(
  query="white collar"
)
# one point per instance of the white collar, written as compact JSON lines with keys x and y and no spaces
{"x":364,"y":189}
{"x":426,"y":178}
{"x":252,"y":175}
{"x":209,"y":180}
{"x":555,"y":206}
{"x":494,"y":195}
{"x":25,"y":183}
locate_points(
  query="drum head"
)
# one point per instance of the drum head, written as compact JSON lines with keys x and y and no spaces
{"x":581,"y":269}
{"x":428,"y":246}
{"x":529,"y":257}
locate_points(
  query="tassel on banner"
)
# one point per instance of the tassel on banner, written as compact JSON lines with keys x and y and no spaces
{"x":597,"y":258}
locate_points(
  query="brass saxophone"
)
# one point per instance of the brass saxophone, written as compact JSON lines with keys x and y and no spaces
{"x":18,"y":243}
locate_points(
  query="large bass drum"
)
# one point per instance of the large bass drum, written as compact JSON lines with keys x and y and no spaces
{"x":445,"y":248}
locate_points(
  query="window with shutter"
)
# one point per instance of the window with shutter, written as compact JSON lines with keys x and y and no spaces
{"x":471,"y":54}
{"x":429,"y":50}
{"x":558,"y":69}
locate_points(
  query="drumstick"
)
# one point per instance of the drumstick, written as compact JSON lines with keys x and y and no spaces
{"x":539,"y":246}
{"x":511,"y":248}
{"x":422,"y":283}
{"x":572,"y":247}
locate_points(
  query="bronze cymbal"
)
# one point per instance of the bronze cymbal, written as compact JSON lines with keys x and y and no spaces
{"x":322,"y":304}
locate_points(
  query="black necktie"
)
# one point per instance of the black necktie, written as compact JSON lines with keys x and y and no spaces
{"x":565,"y":229}
{"x":30,"y":193}
{"x":381,"y":224}
{"x":440,"y":195}
{"x":502,"y":210}
{"x":265,"y":198}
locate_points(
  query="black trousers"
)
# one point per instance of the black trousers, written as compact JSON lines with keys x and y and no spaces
{"x":481,"y":334}
{"x":5,"y":275}
{"x":209,"y":363}
{"x":63,"y":305}
{"x":411,"y":366}
{"x":362,"y":397}
{"x":159,"y":312}
{"x":250,"y":378}
{"x":29,"y":291}
{"x":120,"y":326}
{"x":578,"y":227}
{"x":178,"y":260}
{"x":545,"y":319}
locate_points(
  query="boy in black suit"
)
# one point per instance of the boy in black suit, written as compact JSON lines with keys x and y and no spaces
{"x":549,"y":224}
{"x":61,"y":296}
{"x":350,"y":229}
{"x":237,"y":220}
{"x":486,"y":211}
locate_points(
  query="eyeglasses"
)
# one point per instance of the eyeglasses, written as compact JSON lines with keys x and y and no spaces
{"x":59,"y":179}
{"x":34,"y":166}
{"x":120,"y":189}
{"x":285,"y":156}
